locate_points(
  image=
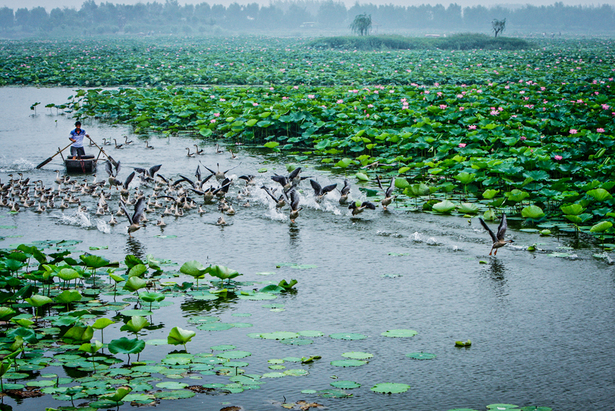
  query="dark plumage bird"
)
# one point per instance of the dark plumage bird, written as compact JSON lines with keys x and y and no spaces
{"x":498,"y":239}
{"x":388,"y":193}
{"x":294,"y":205}
{"x":149,"y":174}
{"x":344,"y":192}
{"x":220,"y":175}
{"x":136,"y":217}
{"x":321,"y":192}
{"x":279,"y":201}
{"x":113,"y":172}
{"x":357,"y":208}
{"x":290,"y":181}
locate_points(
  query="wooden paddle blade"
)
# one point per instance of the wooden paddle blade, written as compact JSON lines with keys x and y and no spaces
{"x":44,"y":163}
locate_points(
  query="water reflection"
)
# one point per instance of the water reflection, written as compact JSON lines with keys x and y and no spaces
{"x":496,"y":272}
{"x":135,"y":247}
{"x":194,"y":306}
{"x":293,"y":236}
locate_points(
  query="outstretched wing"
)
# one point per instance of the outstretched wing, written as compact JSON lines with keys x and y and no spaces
{"x":109,"y":168}
{"x":128,"y":180}
{"x":379,"y":183}
{"x":279,"y":179}
{"x":329,"y":188}
{"x":502,"y":227}
{"x":123,"y":207}
{"x":294,"y":173}
{"x":369,"y":205}
{"x":139,"y":210}
{"x":317,"y":188}
{"x":346,"y":189}
{"x":389,"y":190}
{"x":486,"y":227}
{"x":153,"y":170}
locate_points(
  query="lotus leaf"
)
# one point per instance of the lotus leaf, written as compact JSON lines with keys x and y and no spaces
{"x":215,"y":326}
{"x":421,"y":356}
{"x":297,"y":372}
{"x":94,"y":261}
{"x":79,"y":333}
{"x":573,"y":209}
{"x":399,"y":333}
{"x":222,"y":272}
{"x":390,"y":388}
{"x":68,"y":274}
{"x":126,"y":346}
{"x":38,"y":300}
{"x":468,"y":208}
{"x":347,"y":336}
{"x":601,"y":227}
{"x":517,"y":195}
{"x":91,"y":347}
{"x":532,"y":211}
{"x":234,"y":354}
{"x":501,"y":406}
{"x":599,"y":194}
{"x":356,"y":355}
{"x":174,"y":395}
{"x":135,"y":324}
{"x":345,"y":385}
{"x":444,"y":207}
{"x":279,"y":335}
{"x":137,"y":270}
{"x":179,"y":336}
{"x":134,"y":284}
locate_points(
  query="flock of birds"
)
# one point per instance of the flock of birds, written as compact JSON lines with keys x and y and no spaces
{"x":176,"y":196}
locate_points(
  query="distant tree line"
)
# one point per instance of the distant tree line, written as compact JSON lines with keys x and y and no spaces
{"x":170,"y":16}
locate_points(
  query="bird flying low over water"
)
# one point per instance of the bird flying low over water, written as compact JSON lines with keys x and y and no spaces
{"x":344,"y":192}
{"x":321,"y":192}
{"x":289,"y":181}
{"x":136,"y":217}
{"x":357,"y":208}
{"x":148,"y":174}
{"x":294,"y":205}
{"x":388,"y":193}
{"x":498,"y":239}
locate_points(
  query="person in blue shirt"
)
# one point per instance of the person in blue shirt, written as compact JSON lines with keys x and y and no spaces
{"x":76,"y":136}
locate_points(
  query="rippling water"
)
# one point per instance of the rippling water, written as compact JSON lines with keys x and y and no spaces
{"x":542,"y":327}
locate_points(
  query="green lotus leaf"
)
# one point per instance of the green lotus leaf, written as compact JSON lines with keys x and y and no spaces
{"x":421,"y":356}
{"x":601,"y":227}
{"x":134,"y":284}
{"x":465,"y":177}
{"x":38,"y":300}
{"x":489,"y":194}
{"x":279,"y":335}
{"x":137,"y":270}
{"x":572,"y":209}
{"x":126,"y":346}
{"x":599,"y":194}
{"x":357,"y":355}
{"x":174,"y":395}
{"x":501,"y":406}
{"x":222,"y":272}
{"x":94,"y":261}
{"x":150,"y":297}
{"x":6,"y":311}
{"x":271,"y":144}
{"x":444,"y":207}
{"x":517,"y":195}
{"x":468,"y":208}
{"x":296,"y":372}
{"x":172,"y":385}
{"x":193,"y":268}
{"x":119,"y":394}
{"x":390,"y":388}
{"x":91,"y":347}
{"x":362,"y":176}
{"x":234,"y":354}
{"x":223,"y":347}
{"x":68,"y":274}
{"x":68,"y":296}
{"x":532,"y":211}
{"x":401,"y":183}
{"x":79,"y":333}
{"x":345,"y":385}
{"x":179,"y":336}
{"x":310,"y":333}
{"x":135,"y":324}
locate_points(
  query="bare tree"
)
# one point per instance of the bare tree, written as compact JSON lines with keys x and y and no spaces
{"x":498,"y":26}
{"x":362,"y":24}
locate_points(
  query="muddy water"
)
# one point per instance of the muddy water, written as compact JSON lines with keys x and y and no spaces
{"x":541,"y":326}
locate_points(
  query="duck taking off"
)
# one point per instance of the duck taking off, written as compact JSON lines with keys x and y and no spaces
{"x":498,"y":239}
{"x":388,"y":193}
{"x":135,"y":219}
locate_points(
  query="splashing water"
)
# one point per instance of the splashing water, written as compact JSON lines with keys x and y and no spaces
{"x":78,"y":218}
{"x":18,"y":165}
{"x":416,"y":237}
{"x":102,"y":226}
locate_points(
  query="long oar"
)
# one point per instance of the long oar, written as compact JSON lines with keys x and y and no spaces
{"x":103,"y":151}
{"x":50,"y":158}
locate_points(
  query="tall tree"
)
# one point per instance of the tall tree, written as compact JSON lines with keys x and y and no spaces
{"x":7,"y":18}
{"x":361,"y":24}
{"x":498,"y":26}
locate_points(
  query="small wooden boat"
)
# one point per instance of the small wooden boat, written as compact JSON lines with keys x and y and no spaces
{"x":84,"y":165}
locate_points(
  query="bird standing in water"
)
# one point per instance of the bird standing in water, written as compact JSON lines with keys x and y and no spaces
{"x":498,"y":239}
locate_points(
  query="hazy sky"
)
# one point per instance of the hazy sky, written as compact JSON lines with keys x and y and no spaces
{"x":50,"y":4}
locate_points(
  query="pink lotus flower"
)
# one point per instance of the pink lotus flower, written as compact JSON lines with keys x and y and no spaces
{"x":573,"y":131}
{"x":213,"y":120}
{"x":311,"y":96}
{"x":472,"y":127}
{"x":442,"y":106}
{"x":557,"y":158}
{"x":462,"y":145}
{"x":216,"y":114}
{"x":523,"y":138}
{"x":340,"y":101}
{"x":600,"y":130}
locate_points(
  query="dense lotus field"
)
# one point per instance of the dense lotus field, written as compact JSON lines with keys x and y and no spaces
{"x":529,"y":132}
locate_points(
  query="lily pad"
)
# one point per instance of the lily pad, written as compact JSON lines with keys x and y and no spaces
{"x":215,"y":326}
{"x":172,"y":385}
{"x":390,"y":388}
{"x":421,"y":356}
{"x":357,"y":355}
{"x":348,"y":336}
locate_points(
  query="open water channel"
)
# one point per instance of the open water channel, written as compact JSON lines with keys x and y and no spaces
{"x":541,"y":327}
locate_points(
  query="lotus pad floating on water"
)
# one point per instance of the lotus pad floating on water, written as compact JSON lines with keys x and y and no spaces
{"x":500,"y":407}
{"x":279,"y":335}
{"x":333,"y":393}
{"x":215,"y":326}
{"x":311,"y":333}
{"x":390,"y":388}
{"x":296,"y":341}
{"x":223,"y":347}
{"x":297,"y":372}
{"x":421,"y":356}
{"x":234,"y":354}
{"x":348,"y":336}
{"x":345,"y":385}
{"x":399,"y":333}
{"x":356,"y":355}
{"x":174,"y":395}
